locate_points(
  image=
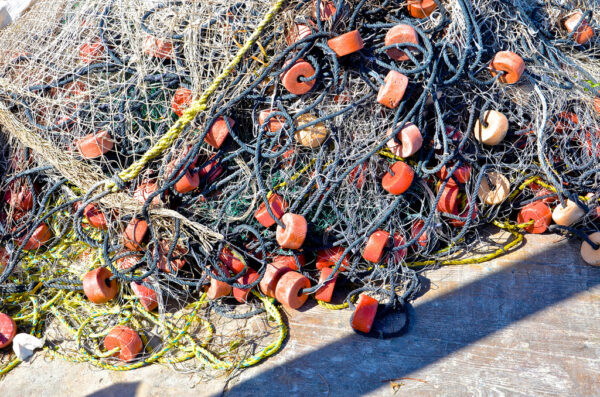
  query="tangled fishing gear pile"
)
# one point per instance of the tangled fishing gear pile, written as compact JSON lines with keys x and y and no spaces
{"x":173,"y":171}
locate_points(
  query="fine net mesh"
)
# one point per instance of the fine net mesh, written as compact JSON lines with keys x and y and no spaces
{"x":89,"y":89}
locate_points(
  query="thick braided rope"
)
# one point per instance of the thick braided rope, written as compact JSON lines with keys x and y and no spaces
{"x":196,"y":106}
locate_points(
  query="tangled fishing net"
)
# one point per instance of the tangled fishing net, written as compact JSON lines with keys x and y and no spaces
{"x":174,"y":173}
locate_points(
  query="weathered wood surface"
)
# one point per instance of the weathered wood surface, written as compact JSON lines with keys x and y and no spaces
{"x":526,"y":324}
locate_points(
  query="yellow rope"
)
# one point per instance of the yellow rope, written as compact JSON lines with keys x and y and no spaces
{"x":195,"y":107}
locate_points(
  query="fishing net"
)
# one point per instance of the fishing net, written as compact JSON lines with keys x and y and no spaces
{"x":152,"y":149}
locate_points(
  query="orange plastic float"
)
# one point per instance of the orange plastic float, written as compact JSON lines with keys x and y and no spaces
{"x":95,"y":217}
{"x":147,"y":296}
{"x":415,"y":229}
{"x":498,"y":192}
{"x":399,"y":179}
{"x":218,"y":288}
{"x":407,"y":142}
{"x":181,"y":100}
{"x":510,"y":63}
{"x":218,"y":132}
{"x":19,"y":197}
{"x":357,"y":175}
{"x":584,"y":32}
{"x":326,"y":10}
{"x":330,"y":256}
{"x":399,"y":241}
{"x":143,"y":192}
{"x":91,"y":52}
{"x":496,"y":129}
{"x":98,"y":287}
{"x":364,"y":314}
{"x":326,"y":291}
{"x":297,"y":32}
{"x":134,"y":234}
{"x":346,"y":43}
{"x":126,"y":339}
{"x":127,"y":262}
{"x":392,"y":91}
{"x":273,"y":273}
{"x":421,"y":8}
{"x":95,"y":145}
{"x":231,"y":261}
{"x":399,"y":34}
{"x":375,"y":245}
{"x":177,"y":260}
{"x":589,"y":254}
{"x":312,"y":136}
{"x":460,"y":175}
{"x":539,"y":213}
{"x":158,"y":48}
{"x":289,"y":261}
{"x":448,"y":202}
{"x":275,"y":123}
{"x":212,"y":170}
{"x":278,"y":206}
{"x":292,"y":237}
{"x":8,"y":330}
{"x":290,"y":78}
{"x":241,"y":294}
{"x":597,"y":103}
{"x":40,"y":236}
{"x":565,"y":121}
{"x":567,"y":215}
{"x":288,"y":290}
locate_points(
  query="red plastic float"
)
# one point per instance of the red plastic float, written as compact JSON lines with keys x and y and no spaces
{"x":147,"y":296}
{"x":218,"y":288}
{"x":346,"y":43}
{"x":415,"y":229}
{"x":158,"y":48}
{"x":127,"y":340}
{"x":98,"y":287}
{"x":401,"y":33}
{"x":375,"y":245}
{"x":448,"y":202}
{"x":364,"y":314}
{"x":278,"y":206}
{"x":241,"y":294}
{"x":392,"y":91}
{"x":275,"y":123}
{"x":40,"y":236}
{"x":91,"y":52}
{"x":357,"y":175}
{"x":407,"y":142}
{"x":134,"y":234}
{"x":95,"y":145}
{"x":289,"y":261}
{"x":330,"y":256}
{"x":181,"y":100}
{"x":584,"y":32}
{"x":399,"y":179}
{"x":510,"y":63}
{"x":19,"y":197}
{"x":231,"y":261}
{"x":273,"y":273}
{"x":421,"y":8}
{"x":95,"y":217}
{"x":399,"y":241}
{"x":541,"y":215}
{"x":289,"y":287}
{"x":290,"y":78}
{"x":460,"y":175}
{"x":218,"y":132}
{"x":143,"y":192}
{"x":8,"y":330}
{"x":292,"y":237}
{"x":326,"y":10}
{"x":177,"y":260}
{"x":326,"y":291}
{"x":298,"y":32}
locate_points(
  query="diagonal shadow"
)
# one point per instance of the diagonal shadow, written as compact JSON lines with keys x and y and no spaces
{"x":355,"y":366}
